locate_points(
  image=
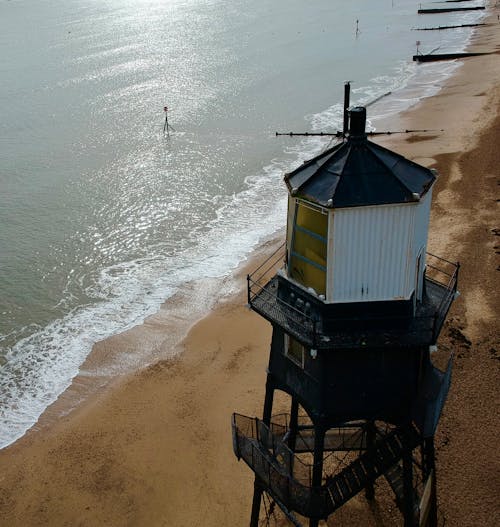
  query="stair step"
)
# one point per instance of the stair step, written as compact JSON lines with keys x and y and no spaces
{"x":384,"y":454}
{"x":352,"y":479}
{"x":368,"y":466}
{"x":359,"y":471}
{"x":394,"y":443}
{"x":344,"y":488}
{"x":394,"y":476}
{"x":335,"y":494}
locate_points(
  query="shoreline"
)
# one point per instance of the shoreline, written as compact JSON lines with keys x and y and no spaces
{"x":160,"y":337}
{"x":108,"y":446}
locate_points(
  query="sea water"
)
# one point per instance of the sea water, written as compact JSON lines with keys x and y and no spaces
{"x":103,"y":216}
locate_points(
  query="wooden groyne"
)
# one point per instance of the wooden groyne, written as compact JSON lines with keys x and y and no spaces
{"x":448,"y":27}
{"x":434,"y":57}
{"x":448,"y":10}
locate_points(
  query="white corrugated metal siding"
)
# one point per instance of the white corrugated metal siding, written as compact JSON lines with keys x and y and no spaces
{"x":374,"y":252}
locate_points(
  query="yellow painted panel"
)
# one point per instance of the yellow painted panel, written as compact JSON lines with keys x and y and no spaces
{"x":307,"y":246}
{"x":312,"y":220}
{"x":310,"y":247}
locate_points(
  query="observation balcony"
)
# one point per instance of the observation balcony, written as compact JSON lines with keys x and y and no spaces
{"x":318,"y":324}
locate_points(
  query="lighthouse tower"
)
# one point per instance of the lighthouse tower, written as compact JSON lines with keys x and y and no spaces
{"x":356,"y":304}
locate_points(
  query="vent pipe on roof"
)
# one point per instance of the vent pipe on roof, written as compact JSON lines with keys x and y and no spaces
{"x":347,"y":96}
{"x":357,"y":121}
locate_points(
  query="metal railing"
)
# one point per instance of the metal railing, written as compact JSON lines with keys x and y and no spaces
{"x":262,"y":291}
{"x":270,"y":438}
{"x":265,"y":272}
{"x":275,"y":466}
{"x":445,"y":274}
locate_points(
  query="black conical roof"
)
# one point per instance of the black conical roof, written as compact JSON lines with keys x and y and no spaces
{"x":358,"y":173}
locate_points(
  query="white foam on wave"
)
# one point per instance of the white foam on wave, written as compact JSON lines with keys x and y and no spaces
{"x":41,"y":366}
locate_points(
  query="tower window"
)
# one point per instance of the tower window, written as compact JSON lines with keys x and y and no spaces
{"x":294,"y":350}
{"x":309,"y":247}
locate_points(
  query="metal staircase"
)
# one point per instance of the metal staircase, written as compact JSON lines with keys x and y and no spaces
{"x":275,"y":466}
{"x":383,"y":459}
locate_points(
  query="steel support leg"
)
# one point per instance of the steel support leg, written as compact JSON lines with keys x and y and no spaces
{"x":257,"y":497}
{"x":294,"y":423}
{"x":370,"y":445}
{"x":409,"y":498}
{"x":317,"y":475}
{"x":268,"y":401}
{"x":430,"y":468}
{"x":266,"y":418}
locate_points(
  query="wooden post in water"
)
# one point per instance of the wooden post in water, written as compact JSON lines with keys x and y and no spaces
{"x":166,"y":126}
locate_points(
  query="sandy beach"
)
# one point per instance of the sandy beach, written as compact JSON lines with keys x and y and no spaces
{"x":154,"y":448}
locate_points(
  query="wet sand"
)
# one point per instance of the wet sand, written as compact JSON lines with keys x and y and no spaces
{"x":154,"y":449}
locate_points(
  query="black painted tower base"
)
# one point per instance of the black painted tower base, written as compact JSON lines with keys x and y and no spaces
{"x":373,"y":452}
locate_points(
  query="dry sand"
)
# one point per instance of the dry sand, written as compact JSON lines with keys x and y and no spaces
{"x":155,"y":448}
